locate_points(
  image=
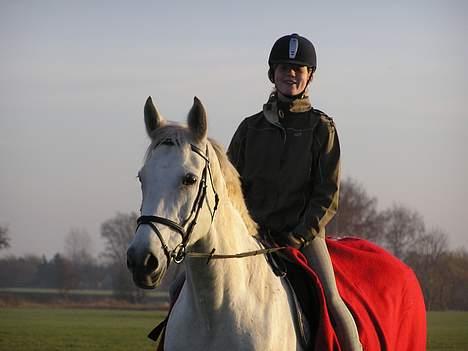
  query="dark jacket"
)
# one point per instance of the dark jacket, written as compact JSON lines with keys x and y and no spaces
{"x":288,"y":157}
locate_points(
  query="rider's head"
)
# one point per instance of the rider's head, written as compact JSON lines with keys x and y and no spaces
{"x":292,"y":63}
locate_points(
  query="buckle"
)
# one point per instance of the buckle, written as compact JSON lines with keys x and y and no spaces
{"x":178,"y":254}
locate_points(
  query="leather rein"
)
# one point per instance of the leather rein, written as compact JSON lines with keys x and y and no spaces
{"x":179,"y":253}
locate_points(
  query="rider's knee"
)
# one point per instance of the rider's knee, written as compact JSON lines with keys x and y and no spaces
{"x":335,"y":302}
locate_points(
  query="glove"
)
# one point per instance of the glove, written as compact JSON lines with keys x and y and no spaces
{"x":292,"y":239}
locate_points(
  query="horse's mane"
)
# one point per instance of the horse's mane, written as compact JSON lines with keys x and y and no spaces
{"x":179,"y":134}
{"x":233,"y":185}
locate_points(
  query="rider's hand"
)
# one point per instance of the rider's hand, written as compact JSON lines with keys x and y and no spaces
{"x":293,"y":239}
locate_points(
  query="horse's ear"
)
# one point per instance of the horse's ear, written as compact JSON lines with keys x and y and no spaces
{"x":197,"y":120}
{"x":153,"y":119}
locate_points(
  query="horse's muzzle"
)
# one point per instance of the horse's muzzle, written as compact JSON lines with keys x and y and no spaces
{"x":144,"y":269}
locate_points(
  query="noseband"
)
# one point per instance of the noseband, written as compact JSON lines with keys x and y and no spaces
{"x":179,"y":253}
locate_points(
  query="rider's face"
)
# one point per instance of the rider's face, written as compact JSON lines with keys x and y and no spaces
{"x":291,"y":79}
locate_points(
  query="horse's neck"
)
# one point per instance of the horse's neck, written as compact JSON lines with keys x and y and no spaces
{"x":226,"y":280}
{"x":235,"y":303}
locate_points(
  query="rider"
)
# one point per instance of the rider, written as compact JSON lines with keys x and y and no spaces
{"x":288,"y":156}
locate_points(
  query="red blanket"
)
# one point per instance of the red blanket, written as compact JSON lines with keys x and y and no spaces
{"x":382,"y":293}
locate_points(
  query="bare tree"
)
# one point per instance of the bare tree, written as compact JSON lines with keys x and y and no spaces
{"x":118,"y":232}
{"x":428,"y":259}
{"x":432,"y":245}
{"x":457,"y":266}
{"x":357,"y":213}
{"x":443,"y":274}
{"x":66,"y":277}
{"x":4,"y":238}
{"x":402,"y":229}
{"x":78,"y":246}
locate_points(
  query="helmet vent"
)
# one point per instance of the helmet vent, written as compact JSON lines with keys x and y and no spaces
{"x":293,"y":46}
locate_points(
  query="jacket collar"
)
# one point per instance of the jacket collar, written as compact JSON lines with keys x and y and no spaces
{"x":274,"y":107}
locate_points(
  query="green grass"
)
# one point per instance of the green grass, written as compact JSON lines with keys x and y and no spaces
{"x":152,"y":293}
{"x":41,"y":329}
{"x":448,"y":331}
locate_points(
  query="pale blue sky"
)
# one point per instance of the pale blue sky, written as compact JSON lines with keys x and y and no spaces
{"x":74,"y":77}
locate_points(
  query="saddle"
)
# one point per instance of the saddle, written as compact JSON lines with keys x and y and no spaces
{"x":301,"y":286}
{"x":304,"y":295}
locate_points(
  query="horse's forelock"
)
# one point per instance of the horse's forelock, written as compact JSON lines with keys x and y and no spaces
{"x":178,"y":133}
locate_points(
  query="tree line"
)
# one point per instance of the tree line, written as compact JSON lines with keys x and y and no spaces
{"x":442,"y":272}
{"x":76,"y":267}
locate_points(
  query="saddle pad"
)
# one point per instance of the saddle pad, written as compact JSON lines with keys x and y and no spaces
{"x":381,"y":292}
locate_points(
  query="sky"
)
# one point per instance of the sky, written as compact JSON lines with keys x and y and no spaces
{"x":74,"y":77}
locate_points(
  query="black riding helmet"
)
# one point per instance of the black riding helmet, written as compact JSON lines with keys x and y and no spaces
{"x":292,"y":49}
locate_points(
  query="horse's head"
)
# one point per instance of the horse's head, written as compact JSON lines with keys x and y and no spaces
{"x":178,"y":192}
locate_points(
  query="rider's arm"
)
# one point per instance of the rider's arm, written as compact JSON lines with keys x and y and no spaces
{"x":323,"y":200}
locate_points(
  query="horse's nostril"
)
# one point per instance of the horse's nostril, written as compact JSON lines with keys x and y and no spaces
{"x":150,"y":264}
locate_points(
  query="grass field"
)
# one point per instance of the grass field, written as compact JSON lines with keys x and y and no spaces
{"x":151,"y":293}
{"x":41,"y":329}
{"x":448,"y":331}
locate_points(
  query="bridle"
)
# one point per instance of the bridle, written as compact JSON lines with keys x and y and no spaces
{"x":178,"y":254}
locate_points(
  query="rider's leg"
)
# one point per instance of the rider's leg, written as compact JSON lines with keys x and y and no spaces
{"x":319,"y":259}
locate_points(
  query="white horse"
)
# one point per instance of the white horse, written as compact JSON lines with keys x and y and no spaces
{"x":192,"y":203}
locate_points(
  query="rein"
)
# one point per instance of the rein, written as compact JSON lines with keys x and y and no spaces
{"x":214,"y":256}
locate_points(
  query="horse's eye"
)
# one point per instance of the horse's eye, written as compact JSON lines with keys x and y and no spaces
{"x":189,"y":179}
